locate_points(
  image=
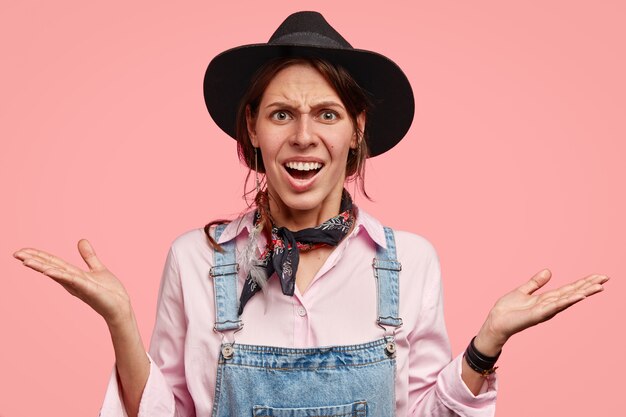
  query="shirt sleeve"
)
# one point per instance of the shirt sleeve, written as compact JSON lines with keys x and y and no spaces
{"x":165,"y":393}
{"x":435,"y":385}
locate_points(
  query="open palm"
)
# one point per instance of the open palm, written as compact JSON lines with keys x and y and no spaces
{"x":97,"y":287}
{"x":522,"y":308}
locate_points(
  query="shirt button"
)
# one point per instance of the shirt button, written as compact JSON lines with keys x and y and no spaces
{"x":301,"y":311}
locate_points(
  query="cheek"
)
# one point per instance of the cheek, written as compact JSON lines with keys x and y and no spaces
{"x":269,"y":149}
{"x":339,"y":147}
{"x":266,"y":141}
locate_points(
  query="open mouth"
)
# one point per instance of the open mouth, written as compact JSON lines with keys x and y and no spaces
{"x":303,"y":170}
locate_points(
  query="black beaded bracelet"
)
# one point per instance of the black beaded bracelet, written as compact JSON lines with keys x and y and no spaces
{"x":479,"y":362}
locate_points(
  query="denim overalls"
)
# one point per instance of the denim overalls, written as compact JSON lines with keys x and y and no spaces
{"x":353,"y":380}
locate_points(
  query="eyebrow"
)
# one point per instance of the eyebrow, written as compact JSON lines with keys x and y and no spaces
{"x":291,"y":106}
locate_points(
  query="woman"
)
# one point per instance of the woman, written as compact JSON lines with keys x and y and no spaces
{"x":342,"y":315}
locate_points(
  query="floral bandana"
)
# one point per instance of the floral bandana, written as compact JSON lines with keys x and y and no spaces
{"x":282,"y":253}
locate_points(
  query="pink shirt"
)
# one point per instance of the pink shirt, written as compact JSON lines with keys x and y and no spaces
{"x":338,"y":308}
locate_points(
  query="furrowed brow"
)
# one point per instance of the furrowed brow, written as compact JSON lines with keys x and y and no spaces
{"x":283,"y":105}
{"x":292,"y":106}
{"x":328,"y":104}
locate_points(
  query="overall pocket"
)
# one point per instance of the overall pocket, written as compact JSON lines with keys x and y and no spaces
{"x":355,"y":409}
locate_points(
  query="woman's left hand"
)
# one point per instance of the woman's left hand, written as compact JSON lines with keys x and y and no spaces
{"x":522,"y":308}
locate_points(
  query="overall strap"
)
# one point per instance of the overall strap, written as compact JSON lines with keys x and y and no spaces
{"x":224,"y":275}
{"x":386,"y":271}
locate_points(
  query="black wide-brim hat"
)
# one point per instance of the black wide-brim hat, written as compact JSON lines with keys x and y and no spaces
{"x":308,"y":34}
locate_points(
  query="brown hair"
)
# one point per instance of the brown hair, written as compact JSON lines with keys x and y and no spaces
{"x":354,"y":98}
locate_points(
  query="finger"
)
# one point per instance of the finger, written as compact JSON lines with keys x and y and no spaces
{"x":566,"y":302}
{"x":564,"y":290}
{"x":591,"y":290}
{"x":89,"y":255}
{"x":598,"y":279}
{"x":46,"y":259}
{"x":37,"y":265}
{"x":20,"y":254}
{"x":539,"y":280}
{"x":76,"y":285}
{"x":580,"y":286}
{"x":587,"y":289}
{"x":552,"y":307}
{"x":62,"y":277}
{"x":49,"y":270}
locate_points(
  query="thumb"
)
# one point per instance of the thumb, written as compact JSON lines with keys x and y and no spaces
{"x":89,"y":256}
{"x":539,"y":280}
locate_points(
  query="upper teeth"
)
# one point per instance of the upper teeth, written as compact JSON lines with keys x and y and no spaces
{"x":303,"y":166}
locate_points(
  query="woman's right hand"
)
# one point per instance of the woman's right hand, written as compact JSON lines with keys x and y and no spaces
{"x":97,"y":287}
{"x":103,"y":292}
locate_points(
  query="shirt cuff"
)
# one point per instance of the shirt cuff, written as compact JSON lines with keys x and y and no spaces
{"x":453,"y":392}
{"x":157,"y":399}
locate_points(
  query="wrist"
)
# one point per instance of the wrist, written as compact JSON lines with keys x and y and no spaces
{"x":123,"y":320}
{"x":480,"y":362}
{"x":489,"y":342}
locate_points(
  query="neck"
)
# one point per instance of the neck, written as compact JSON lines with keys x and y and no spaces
{"x":297,"y":219}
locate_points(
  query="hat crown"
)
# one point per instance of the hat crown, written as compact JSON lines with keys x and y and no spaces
{"x":308,"y":34}
{"x":308,"y":28}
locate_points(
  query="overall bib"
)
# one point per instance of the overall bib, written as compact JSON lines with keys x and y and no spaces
{"x":348,"y":380}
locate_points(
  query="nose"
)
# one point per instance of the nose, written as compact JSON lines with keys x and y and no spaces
{"x":304,"y":135}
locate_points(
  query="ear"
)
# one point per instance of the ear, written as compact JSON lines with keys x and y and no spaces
{"x":358,"y":136}
{"x":250,"y":122}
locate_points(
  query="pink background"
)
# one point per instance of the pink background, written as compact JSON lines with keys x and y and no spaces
{"x":514,"y":163}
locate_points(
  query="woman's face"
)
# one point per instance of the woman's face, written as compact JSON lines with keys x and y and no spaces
{"x":304,"y":133}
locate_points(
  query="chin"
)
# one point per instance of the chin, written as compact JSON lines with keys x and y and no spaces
{"x":302,"y":202}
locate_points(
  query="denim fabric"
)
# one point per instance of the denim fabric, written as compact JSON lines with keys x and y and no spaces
{"x":352,"y":380}
{"x":358,"y":408}
{"x":224,"y":275}
{"x":355,"y":380}
{"x":386,"y":269}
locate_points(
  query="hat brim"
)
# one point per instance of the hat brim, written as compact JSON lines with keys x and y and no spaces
{"x":229,"y":74}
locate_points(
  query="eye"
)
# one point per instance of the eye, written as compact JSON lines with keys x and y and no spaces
{"x":328,"y":116}
{"x":280,"y":115}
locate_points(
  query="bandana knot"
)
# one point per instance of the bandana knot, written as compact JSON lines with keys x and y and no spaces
{"x":282,"y":252}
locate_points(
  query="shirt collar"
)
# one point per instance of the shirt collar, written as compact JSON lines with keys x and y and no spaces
{"x":364,"y":220}
{"x":236,"y":227}
{"x":372,"y":226}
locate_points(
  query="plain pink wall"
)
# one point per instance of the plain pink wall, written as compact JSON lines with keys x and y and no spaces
{"x":514,"y":163}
